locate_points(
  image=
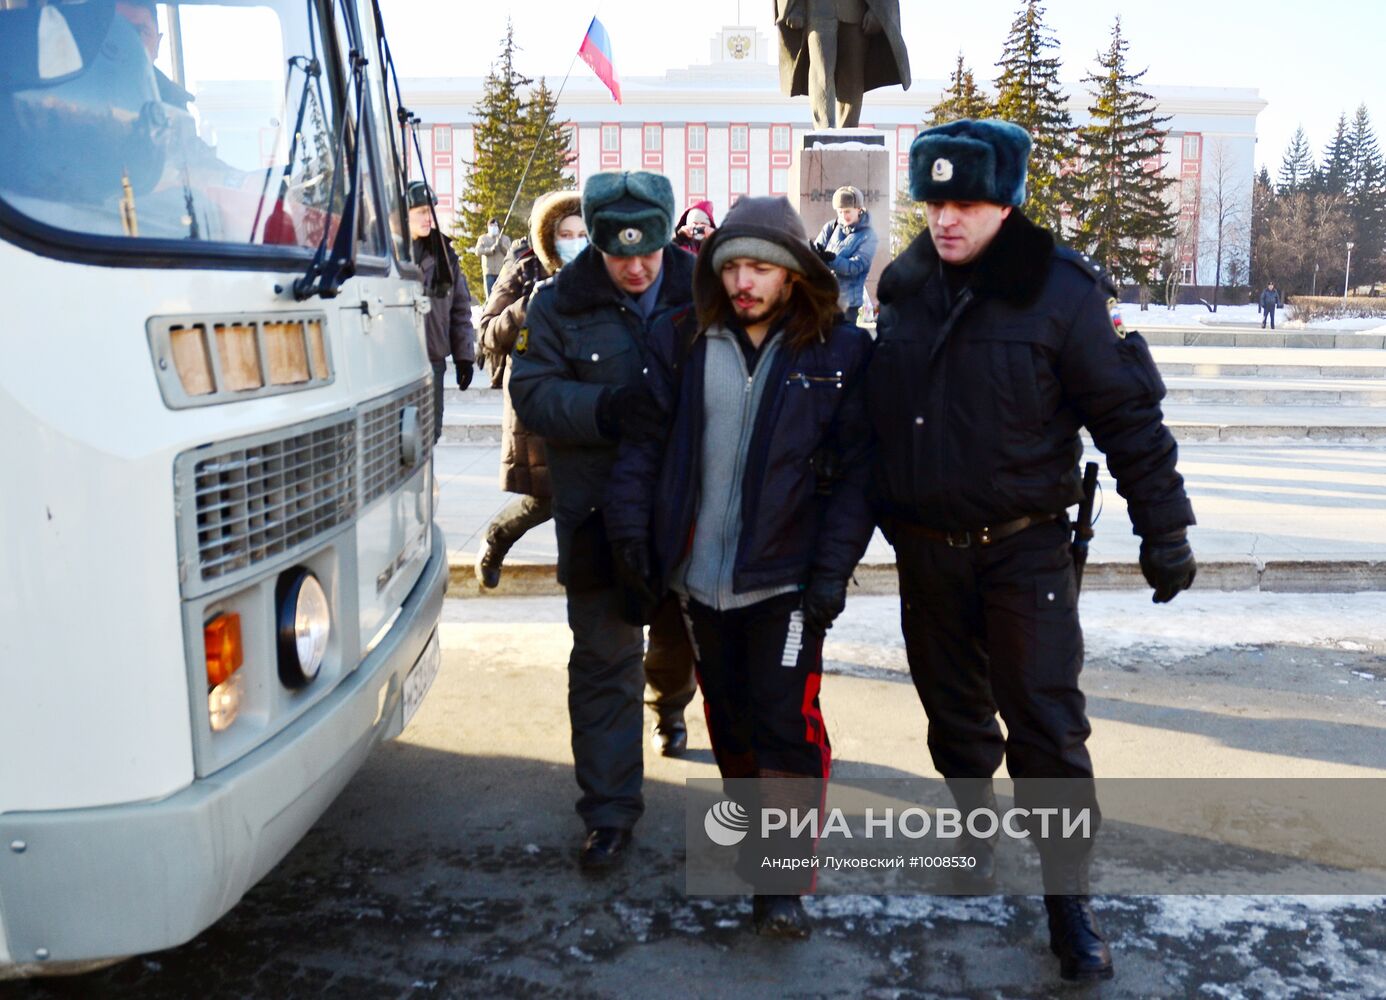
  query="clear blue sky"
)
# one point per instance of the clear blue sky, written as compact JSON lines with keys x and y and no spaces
{"x":1311,"y":61}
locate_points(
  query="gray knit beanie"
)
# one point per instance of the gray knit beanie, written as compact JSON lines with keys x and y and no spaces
{"x":757,"y":249}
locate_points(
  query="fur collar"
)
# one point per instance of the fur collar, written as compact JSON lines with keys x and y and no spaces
{"x":1013,"y":268}
{"x":549,"y":210}
{"x":584,"y":284}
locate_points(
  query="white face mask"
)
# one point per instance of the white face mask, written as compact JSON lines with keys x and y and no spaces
{"x":493,"y":229}
{"x":569,"y":249}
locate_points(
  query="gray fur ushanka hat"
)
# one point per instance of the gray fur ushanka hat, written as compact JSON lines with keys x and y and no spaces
{"x":628,"y":214}
{"x":970,"y":160}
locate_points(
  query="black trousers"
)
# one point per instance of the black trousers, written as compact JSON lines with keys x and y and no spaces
{"x":515,"y":519}
{"x":760,"y":672}
{"x":607,"y":670}
{"x":993,"y":630}
{"x":440,"y":370}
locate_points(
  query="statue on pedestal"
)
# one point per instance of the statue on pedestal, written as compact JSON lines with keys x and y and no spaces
{"x":836,"y":50}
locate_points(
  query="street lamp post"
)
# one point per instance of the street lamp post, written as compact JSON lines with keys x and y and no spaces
{"x":1348,"y":273}
{"x":1314,"y":285}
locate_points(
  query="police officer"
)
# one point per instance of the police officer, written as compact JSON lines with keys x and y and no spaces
{"x":995,"y":345}
{"x":578,"y":382}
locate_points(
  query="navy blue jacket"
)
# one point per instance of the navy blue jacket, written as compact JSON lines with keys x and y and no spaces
{"x":977,"y":404}
{"x":804,"y":508}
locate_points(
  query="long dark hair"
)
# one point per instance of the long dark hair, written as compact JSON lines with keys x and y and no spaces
{"x":811,"y":309}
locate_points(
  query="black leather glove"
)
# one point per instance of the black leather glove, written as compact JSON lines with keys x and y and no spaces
{"x":824,"y":254}
{"x":630,"y":561}
{"x":823,"y":602}
{"x":1168,"y":564}
{"x":465,"y":371}
{"x":626,"y":411}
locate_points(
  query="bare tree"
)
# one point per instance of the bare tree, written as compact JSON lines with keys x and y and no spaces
{"x":1224,"y":204}
{"x":1176,"y":251}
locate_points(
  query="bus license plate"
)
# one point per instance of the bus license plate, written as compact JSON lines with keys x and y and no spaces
{"x":420,"y":677}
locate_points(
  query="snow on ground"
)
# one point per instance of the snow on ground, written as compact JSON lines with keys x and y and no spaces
{"x":1198,"y":315}
{"x":1125,"y":626}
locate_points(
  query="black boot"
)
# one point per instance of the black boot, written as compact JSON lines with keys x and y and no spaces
{"x":780,"y":916}
{"x":488,"y":564}
{"x":1073,"y":932}
{"x":670,"y":735}
{"x":979,"y":877}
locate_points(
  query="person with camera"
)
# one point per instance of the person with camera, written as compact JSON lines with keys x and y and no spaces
{"x":694,"y":226}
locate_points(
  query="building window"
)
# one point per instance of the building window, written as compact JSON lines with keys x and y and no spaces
{"x":442,"y":139}
{"x":740,"y":180}
{"x":1186,"y":274}
{"x":654,"y":138}
{"x":779,"y":180}
{"x":697,"y":138}
{"x":611,"y":138}
{"x":1188,"y":191}
{"x":740,"y":138}
{"x":697,"y":181}
{"x":442,"y":181}
{"x":779,"y":139}
{"x":1190,"y":147}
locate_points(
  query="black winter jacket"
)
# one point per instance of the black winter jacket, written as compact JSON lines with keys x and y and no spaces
{"x":977,"y":409}
{"x":448,"y":325}
{"x":804,"y":506}
{"x":582,"y":340}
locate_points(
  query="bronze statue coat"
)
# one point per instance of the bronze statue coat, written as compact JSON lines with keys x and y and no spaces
{"x":887,"y":62}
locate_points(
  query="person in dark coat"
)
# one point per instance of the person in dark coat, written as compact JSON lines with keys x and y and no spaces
{"x":1269,"y":302}
{"x":558,"y":235}
{"x":719,"y":501}
{"x":848,"y":244}
{"x":695,"y":225}
{"x":448,"y":325}
{"x":577,"y":380}
{"x":995,"y":347}
{"x":836,"y":50}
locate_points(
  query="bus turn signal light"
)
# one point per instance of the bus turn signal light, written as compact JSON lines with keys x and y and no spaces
{"x":222,"y":636}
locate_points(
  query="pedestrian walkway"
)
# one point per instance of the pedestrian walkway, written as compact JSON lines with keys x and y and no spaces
{"x":1288,"y":517}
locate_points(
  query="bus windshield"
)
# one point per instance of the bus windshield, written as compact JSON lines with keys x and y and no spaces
{"x":207,"y":122}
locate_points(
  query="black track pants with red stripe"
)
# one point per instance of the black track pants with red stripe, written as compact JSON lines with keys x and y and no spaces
{"x":760,"y":672}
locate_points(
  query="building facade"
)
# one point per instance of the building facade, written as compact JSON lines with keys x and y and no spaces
{"x":722,"y":130}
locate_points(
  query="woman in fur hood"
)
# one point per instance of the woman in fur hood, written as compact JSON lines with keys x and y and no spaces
{"x":557,"y":235}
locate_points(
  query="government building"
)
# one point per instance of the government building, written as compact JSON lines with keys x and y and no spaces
{"x":722,"y":130}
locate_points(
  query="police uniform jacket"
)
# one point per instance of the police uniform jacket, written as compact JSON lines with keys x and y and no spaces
{"x":977,"y":397}
{"x":582,"y":339}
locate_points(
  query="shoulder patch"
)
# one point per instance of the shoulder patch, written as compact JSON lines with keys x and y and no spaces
{"x":1114,"y":311}
{"x":522,"y":341}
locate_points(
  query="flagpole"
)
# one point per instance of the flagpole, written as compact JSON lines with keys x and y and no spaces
{"x":543,"y":130}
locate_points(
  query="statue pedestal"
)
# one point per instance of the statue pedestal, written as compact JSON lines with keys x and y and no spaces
{"x":827,"y":161}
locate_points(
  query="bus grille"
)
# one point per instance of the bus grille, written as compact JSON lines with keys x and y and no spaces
{"x":384,"y":462}
{"x":259,"y":501}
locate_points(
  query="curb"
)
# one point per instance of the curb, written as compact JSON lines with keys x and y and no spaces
{"x":1275,"y":576}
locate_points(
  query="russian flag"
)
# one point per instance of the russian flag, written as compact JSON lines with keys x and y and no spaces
{"x":596,"y":52}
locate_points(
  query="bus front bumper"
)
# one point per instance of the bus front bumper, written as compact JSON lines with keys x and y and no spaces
{"x":84,"y":884}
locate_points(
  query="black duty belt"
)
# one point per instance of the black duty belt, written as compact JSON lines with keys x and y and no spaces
{"x":976,"y":536}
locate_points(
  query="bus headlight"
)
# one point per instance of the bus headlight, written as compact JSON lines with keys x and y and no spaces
{"x":305,"y":622}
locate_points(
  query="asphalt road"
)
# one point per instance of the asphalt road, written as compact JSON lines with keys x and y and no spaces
{"x":446,"y":869}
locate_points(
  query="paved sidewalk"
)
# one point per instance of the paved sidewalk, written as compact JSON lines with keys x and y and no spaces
{"x":1287,"y":517}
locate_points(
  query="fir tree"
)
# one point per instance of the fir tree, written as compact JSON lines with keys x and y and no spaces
{"x":962,"y":99}
{"x":511,"y":123}
{"x":1262,"y":205}
{"x":1123,"y":216}
{"x":1366,"y":195}
{"x":1337,"y":161}
{"x":1297,"y":169}
{"x":1029,"y":94}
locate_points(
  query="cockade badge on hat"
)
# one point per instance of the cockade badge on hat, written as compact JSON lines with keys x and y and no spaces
{"x":943,"y":170}
{"x":630,"y":236}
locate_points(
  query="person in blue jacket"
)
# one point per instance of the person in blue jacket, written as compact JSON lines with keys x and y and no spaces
{"x":848,"y":245}
{"x":747,"y":496}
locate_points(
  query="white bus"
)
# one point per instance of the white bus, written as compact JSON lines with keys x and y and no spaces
{"x":222,"y":576}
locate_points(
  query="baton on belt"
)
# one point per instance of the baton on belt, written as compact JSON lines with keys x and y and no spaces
{"x":1082,"y":528}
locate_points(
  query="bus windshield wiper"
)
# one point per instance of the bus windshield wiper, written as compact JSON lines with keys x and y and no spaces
{"x":328,"y":271}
